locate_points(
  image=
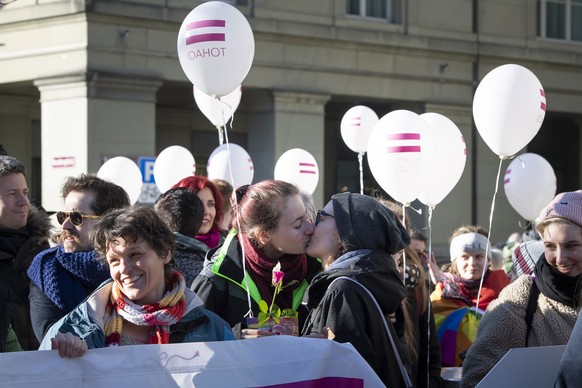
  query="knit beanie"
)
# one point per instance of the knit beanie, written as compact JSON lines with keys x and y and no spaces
{"x":364,"y":223}
{"x":567,"y":205}
{"x":525,"y":257}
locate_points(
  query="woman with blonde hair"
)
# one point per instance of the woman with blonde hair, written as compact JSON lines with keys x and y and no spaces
{"x":538,"y":310}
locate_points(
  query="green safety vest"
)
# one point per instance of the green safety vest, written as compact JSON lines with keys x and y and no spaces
{"x":252,"y":290}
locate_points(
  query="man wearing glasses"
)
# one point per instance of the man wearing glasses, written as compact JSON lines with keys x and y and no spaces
{"x":63,"y":276}
{"x":24,"y":232}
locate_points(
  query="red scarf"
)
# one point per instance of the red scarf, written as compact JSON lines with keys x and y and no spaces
{"x":260,"y":268}
{"x":211,"y":239}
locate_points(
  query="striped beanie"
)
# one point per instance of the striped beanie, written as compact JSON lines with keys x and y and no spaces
{"x":567,"y":205}
{"x":525,"y":257}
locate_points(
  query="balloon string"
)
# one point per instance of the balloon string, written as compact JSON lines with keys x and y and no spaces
{"x":429,"y":304}
{"x":489,"y":235}
{"x":224,"y":121}
{"x":404,"y":251}
{"x":246,"y":278}
{"x":360,"y":161}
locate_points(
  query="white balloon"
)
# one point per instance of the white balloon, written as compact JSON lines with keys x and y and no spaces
{"x":218,"y":110}
{"x":529,"y":184}
{"x":172,"y":165}
{"x":445,"y":155}
{"x":298,"y":167}
{"x":395,"y":154}
{"x":216,"y":47}
{"x":240,"y":161}
{"x":356,"y":126}
{"x":509,"y":107}
{"x":125,"y":173}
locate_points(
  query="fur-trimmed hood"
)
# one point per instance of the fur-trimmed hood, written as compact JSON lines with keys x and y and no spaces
{"x":39,"y":224}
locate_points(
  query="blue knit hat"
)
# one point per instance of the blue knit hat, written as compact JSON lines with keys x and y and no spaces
{"x":364,"y":223}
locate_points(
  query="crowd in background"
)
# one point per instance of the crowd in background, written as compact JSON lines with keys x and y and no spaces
{"x":206,"y":256}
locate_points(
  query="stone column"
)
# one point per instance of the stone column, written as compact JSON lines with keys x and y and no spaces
{"x":86,"y":118}
{"x":279,"y":121}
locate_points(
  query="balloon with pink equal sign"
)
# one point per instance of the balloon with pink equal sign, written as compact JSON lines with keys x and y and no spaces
{"x":299,"y":167}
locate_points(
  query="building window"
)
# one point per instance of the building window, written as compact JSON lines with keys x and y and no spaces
{"x":560,"y":19}
{"x":382,"y":9}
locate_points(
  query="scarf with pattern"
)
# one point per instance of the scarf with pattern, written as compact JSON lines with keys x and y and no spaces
{"x":65,"y":277}
{"x":455,"y":287}
{"x":168,"y":311}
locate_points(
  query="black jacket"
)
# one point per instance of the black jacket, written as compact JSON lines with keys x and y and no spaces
{"x":13,"y":269}
{"x":351,"y":315}
{"x":221,"y":293}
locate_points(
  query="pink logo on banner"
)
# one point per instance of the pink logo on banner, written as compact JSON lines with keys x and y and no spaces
{"x":404,"y":148}
{"x":507,"y":174}
{"x":306,"y":168}
{"x":543,"y":103}
{"x":201,"y":36}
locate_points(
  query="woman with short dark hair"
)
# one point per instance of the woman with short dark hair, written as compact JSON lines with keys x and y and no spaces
{"x":146,"y":302}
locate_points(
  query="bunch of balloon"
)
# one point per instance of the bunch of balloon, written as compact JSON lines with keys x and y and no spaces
{"x":231,"y":163}
{"x":125,"y":173}
{"x":356,"y":126}
{"x":172,"y":165}
{"x":216,"y":47}
{"x":529,"y":184}
{"x":218,"y":110}
{"x":299,"y":167}
{"x":396,"y":150}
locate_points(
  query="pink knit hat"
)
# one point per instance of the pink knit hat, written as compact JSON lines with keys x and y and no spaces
{"x":566,"y":205}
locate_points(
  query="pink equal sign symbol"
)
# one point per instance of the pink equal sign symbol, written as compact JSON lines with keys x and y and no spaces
{"x":411,"y":144}
{"x":507,"y":174}
{"x":306,"y":168}
{"x":199,"y":31}
{"x":464,"y":145}
{"x":543,"y":103}
{"x":251,"y":167}
{"x":356,"y":121}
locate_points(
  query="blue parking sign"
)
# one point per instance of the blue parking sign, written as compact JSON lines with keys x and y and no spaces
{"x":146,"y":165}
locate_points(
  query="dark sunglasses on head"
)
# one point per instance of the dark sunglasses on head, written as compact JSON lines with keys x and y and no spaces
{"x":75,"y":217}
{"x":321,"y":213}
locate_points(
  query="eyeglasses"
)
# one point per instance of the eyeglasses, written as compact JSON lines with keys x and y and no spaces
{"x":321,"y":213}
{"x":75,"y":217}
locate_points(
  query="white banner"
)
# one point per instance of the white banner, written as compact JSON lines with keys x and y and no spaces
{"x":281,"y":361}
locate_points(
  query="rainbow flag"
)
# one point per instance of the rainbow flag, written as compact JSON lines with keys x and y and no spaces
{"x":456,"y":329}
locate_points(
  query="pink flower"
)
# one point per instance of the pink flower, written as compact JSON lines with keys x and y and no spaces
{"x":278,"y":275}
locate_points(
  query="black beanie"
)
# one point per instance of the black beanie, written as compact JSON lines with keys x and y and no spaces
{"x":364,"y":223}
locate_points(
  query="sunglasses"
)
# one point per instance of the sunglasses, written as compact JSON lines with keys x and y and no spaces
{"x":321,"y":213}
{"x":75,"y":217}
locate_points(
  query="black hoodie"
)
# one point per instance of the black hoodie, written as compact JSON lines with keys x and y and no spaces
{"x":370,"y":233}
{"x":351,"y":314}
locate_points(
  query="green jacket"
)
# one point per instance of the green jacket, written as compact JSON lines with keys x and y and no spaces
{"x":223,"y":287}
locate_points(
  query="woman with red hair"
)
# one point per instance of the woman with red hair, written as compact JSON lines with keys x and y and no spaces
{"x":211,"y":198}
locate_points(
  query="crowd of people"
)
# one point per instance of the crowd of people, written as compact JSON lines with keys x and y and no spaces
{"x":201,"y":261}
